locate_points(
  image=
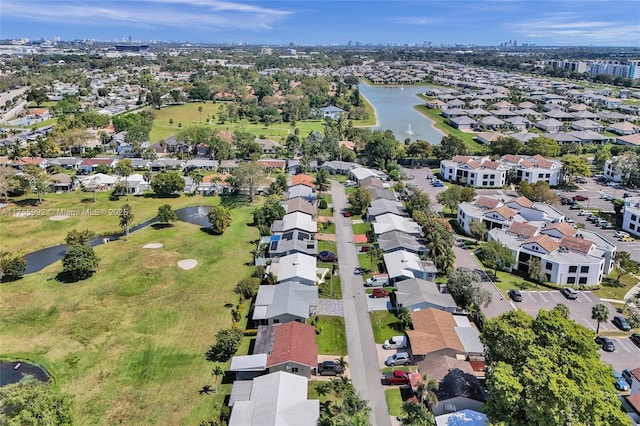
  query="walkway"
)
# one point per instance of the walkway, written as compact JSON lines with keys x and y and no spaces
{"x":363,"y":356}
{"x":331,"y":307}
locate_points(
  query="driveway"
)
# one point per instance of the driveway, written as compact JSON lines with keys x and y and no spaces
{"x":363,"y":356}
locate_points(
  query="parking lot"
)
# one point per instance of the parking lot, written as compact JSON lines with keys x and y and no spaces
{"x":626,"y":355}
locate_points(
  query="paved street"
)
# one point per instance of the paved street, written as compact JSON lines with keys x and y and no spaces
{"x":363,"y":355}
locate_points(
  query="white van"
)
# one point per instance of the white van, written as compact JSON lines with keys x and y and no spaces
{"x":396,"y":342}
{"x":377,"y":280}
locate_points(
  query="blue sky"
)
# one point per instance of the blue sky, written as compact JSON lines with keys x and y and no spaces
{"x":482,"y":22}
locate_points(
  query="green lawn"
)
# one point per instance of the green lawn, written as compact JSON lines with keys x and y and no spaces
{"x":365,"y":264}
{"x":128,"y":343}
{"x":361,"y":228}
{"x":332,"y":339}
{"x":16,"y":233}
{"x":394,"y":401}
{"x":383,"y":324}
{"x":610,"y":290}
{"x":327,"y":246}
{"x":325,"y":288}
{"x":327,"y":228}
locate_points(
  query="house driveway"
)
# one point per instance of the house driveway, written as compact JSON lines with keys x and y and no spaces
{"x":330,"y":307}
{"x":326,"y":237}
{"x":378,"y":304}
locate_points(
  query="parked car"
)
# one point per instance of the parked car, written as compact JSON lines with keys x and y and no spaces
{"x":569,"y":293}
{"x":621,"y":322}
{"x":399,"y":377}
{"x":621,"y":234}
{"x":438,"y":184}
{"x":606,"y":343}
{"x":401,"y":358}
{"x":620,"y":382}
{"x":346,"y":213}
{"x":635,"y":338}
{"x":574,"y":207}
{"x":570,"y":221}
{"x":349,"y":183}
{"x":607,"y":225}
{"x":580,"y":198}
{"x":584,"y":213}
{"x":327,"y":256}
{"x":627,"y":376}
{"x":626,"y":195}
{"x":379,"y":293}
{"x":515,"y":295}
{"x":395,"y":342}
{"x":329,"y":368}
{"x":627,"y":239}
{"x":567,"y":201}
{"x":581,"y":180}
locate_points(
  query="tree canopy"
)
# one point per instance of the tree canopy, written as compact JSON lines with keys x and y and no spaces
{"x":31,"y":402}
{"x":546,"y":371}
{"x":360,"y":200}
{"x":220,"y":219}
{"x":449,"y":147}
{"x":167,"y":183}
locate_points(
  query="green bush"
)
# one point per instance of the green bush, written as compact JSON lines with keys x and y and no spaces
{"x":322,"y":204}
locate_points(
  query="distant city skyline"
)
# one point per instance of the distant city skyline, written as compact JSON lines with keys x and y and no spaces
{"x":312,"y":22}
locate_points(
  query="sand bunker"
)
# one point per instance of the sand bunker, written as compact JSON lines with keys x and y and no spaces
{"x":59,"y":217}
{"x":187,"y":264}
{"x":152,"y":246}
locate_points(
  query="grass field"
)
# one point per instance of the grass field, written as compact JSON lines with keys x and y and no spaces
{"x":332,"y":339}
{"x":609,"y":290}
{"x":394,"y":401}
{"x":102,"y":220}
{"x":129,"y":342}
{"x":434,"y":114}
{"x":383,"y":324}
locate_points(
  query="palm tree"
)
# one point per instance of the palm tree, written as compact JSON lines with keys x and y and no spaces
{"x":125,"y":169}
{"x":374,"y":256}
{"x":216,"y":372}
{"x":322,"y":180}
{"x":425,"y":389}
{"x":404,"y":317}
{"x":600,"y":313}
{"x":341,"y":363}
{"x":126,"y":217}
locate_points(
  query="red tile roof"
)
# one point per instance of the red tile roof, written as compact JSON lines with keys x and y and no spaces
{"x":543,"y":162}
{"x":544,"y":241}
{"x":577,"y":244}
{"x":634,"y":400}
{"x":524,"y":229}
{"x":96,"y":161}
{"x":523,"y":202}
{"x":491,"y":203}
{"x":294,"y":342}
{"x":30,"y":160}
{"x":510,"y":158}
{"x":563,"y":227}
{"x":302,"y":179}
{"x":504,"y":211}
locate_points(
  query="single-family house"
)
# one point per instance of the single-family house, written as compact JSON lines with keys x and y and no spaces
{"x":550,"y":125}
{"x":62,"y":182}
{"x":69,"y":163}
{"x":296,"y":220}
{"x":297,"y":267}
{"x":268,"y":146}
{"x":391,"y":222}
{"x":98,"y":182}
{"x":416,"y":294}
{"x":301,"y":179}
{"x":623,"y":128}
{"x":586,"y":124}
{"x":272,"y":164}
{"x":403,"y":265}
{"x":299,"y":204}
{"x":396,"y":240}
{"x":277,"y":399}
{"x":633,"y":139}
{"x":384,"y":206}
{"x":281,"y":303}
{"x":359,"y":173}
{"x":161,"y":164}
{"x":336,"y":167}
{"x":201,"y":164}
{"x":463,"y":122}
{"x":331,"y":111}
{"x":302,"y":191}
{"x":290,"y":242}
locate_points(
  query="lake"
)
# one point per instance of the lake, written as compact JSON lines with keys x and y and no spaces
{"x":394,"y":110}
{"x":10,"y":374}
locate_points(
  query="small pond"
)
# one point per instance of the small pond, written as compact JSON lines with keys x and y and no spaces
{"x":40,"y":259}
{"x":10,"y":374}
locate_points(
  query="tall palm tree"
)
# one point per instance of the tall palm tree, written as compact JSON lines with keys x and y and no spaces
{"x":374,"y":256}
{"x":217,"y":371}
{"x":342,"y":363}
{"x":600,"y":313}
{"x":426,"y":391}
{"x":322,"y":180}
{"x":126,"y":218}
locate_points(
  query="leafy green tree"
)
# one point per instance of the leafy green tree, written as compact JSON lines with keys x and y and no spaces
{"x":419,"y":201}
{"x":625,"y":265}
{"x":450,"y":198}
{"x":572,"y":165}
{"x":539,"y":191}
{"x":82,"y":238}
{"x":11,"y":267}
{"x":403,"y":315}
{"x":467,"y":194}
{"x":420,"y":149}
{"x":124,"y":169}
{"x":322,"y":180}
{"x":227,"y":343}
{"x":38,"y":178}
{"x":347,"y":408}
{"x":381,"y":148}
{"x":167,"y":183}
{"x":600,"y":313}
{"x":220,"y":219}
{"x":269,"y":212}
{"x":426,"y":391}
{"x":80,"y":262}
{"x":466,"y":288}
{"x":247,"y":288}
{"x":166,"y":214}
{"x":546,"y":371}
{"x":248,"y":176}
{"x":506,"y":145}
{"x":535,"y":271}
{"x":497,"y":256}
{"x":478,"y":230}
{"x":37,"y":95}
{"x":449,"y":147}
{"x":31,"y":402}
{"x":125,"y":219}
{"x":196,"y":176}
{"x":415,"y":414}
{"x":360,"y":200}
{"x":6,"y":176}
{"x":544,"y":146}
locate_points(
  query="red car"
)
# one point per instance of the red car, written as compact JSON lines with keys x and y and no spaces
{"x":378,"y":292}
{"x":580,"y":198}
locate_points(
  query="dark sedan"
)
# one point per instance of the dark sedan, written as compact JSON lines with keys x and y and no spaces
{"x":515,"y":295}
{"x":327,"y":256}
{"x":621,"y":323}
{"x":606,"y":344}
{"x":635,"y":338}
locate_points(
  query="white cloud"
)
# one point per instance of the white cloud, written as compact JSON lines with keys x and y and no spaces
{"x":569,"y":28}
{"x":204,"y":14}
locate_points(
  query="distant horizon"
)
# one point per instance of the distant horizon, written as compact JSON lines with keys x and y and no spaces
{"x":481,"y":23}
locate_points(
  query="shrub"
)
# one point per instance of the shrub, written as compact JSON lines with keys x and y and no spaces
{"x":322,"y":204}
{"x":227,"y":342}
{"x":80,"y":262}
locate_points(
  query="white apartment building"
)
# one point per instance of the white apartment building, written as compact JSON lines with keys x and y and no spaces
{"x":631,"y":216}
{"x":484,"y":172}
{"x":610,"y":170}
{"x":498,"y":214}
{"x":474,"y":171}
{"x":568,"y":256}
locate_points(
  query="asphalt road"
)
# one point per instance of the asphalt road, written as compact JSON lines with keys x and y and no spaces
{"x":363,"y":355}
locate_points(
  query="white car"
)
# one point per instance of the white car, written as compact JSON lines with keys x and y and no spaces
{"x":584,"y":213}
{"x":621,"y":234}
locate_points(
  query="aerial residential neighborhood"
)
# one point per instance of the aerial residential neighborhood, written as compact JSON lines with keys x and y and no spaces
{"x":298,"y":231}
